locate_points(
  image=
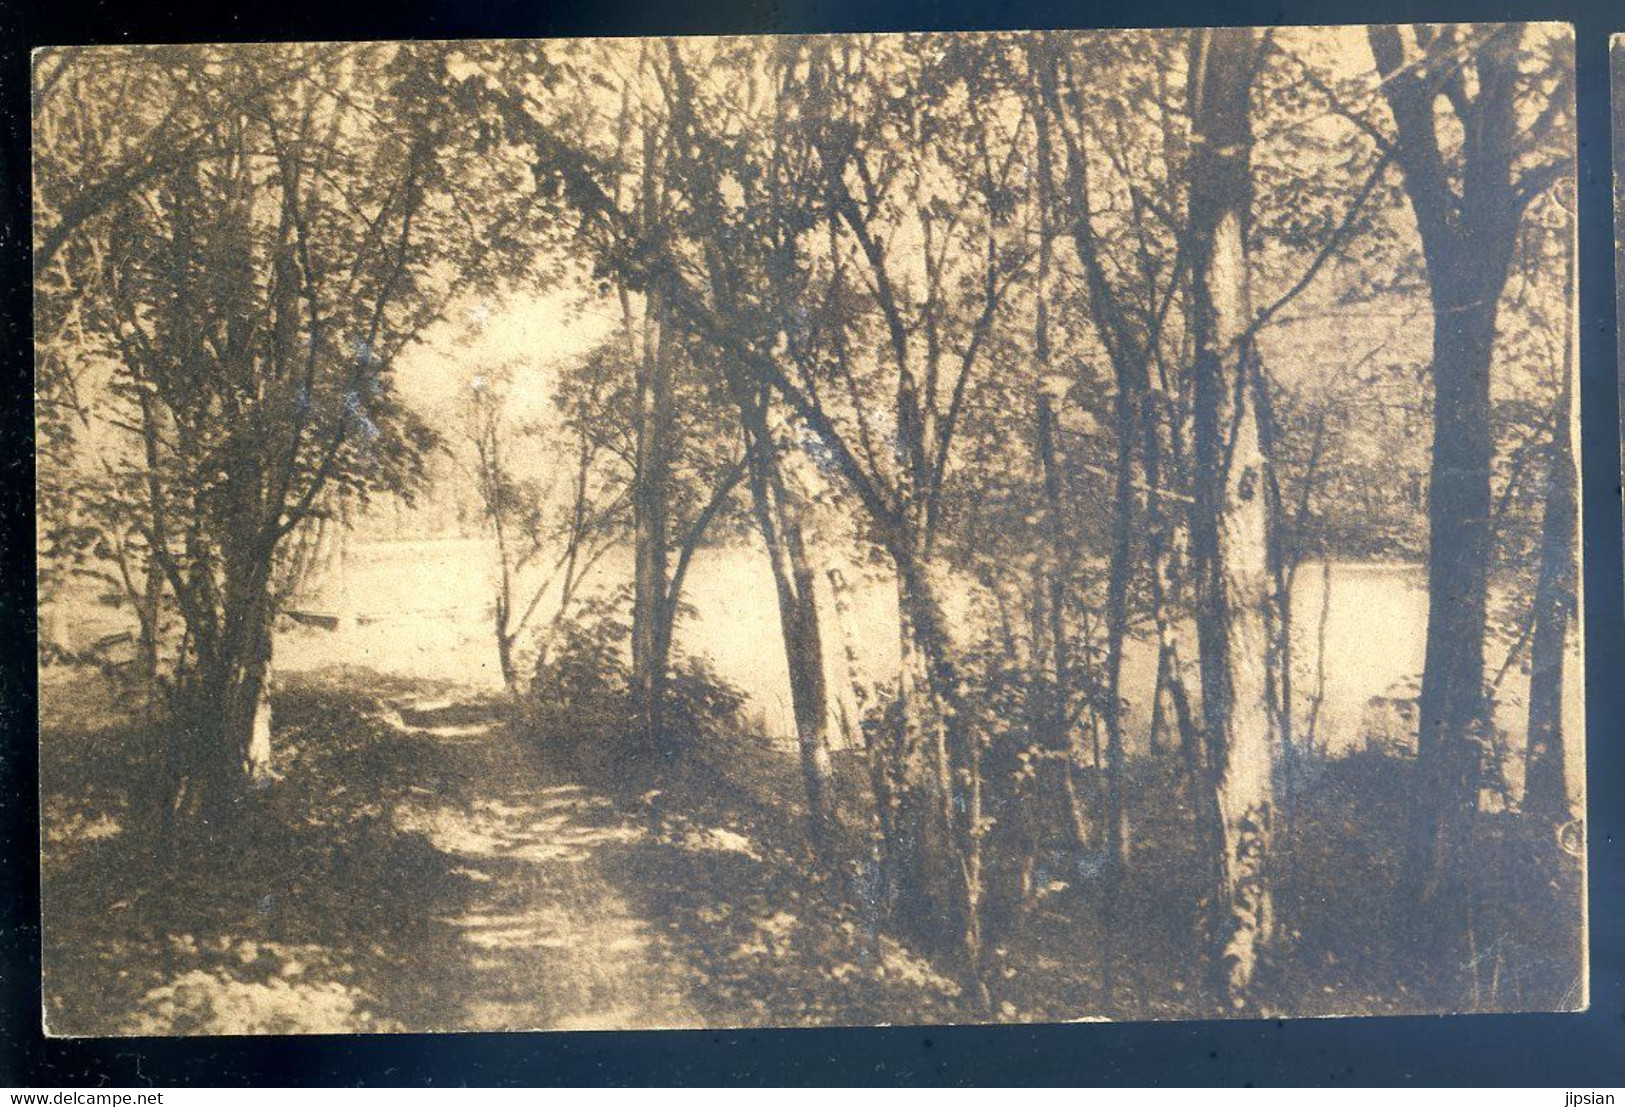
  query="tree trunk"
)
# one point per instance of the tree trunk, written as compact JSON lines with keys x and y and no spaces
{"x":492,"y":478}
{"x":883,"y":886}
{"x":1061,"y":742}
{"x":226,"y":745}
{"x":650,"y":634}
{"x":777,"y":519}
{"x":1467,"y":241}
{"x":1454,"y":711}
{"x":257,"y":764}
{"x":935,"y":789}
{"x":150,"y":605}
{"x":1154,"y":731}
{"x":1545,"y":793}
{"x":808,"y":671}
{"x":652,"y":610}
{"x":506,"y":663}
{"x":1229,"y":519}
{"x":1060,"y":722}
{"x":1119,"y":569}
{"x":1162,"y":526}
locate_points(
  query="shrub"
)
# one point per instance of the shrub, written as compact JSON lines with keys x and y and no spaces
{"x":700,"y":704}
{"x":581,"y":692}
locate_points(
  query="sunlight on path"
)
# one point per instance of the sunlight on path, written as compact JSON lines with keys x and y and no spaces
{"x":542,"y":940}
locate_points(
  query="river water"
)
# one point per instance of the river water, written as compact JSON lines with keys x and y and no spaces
{"x":424,"y":611}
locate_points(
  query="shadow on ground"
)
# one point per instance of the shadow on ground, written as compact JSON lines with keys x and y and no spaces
{"x":421,"y":866}
{"x":424,"y":865}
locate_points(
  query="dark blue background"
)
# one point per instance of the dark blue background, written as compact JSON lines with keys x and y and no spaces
{"x":1559,"y":1050}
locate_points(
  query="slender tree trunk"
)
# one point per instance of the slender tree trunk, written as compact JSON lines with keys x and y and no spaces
{"x":652,"y":609}
{"x":1229,"y":519}
{"x":506,"y":663}
{"x":1061,"y":741}
{"x":1281,"y":558}
{"x":493,"y":478}
{"x":1318,"y":698}
{"x":148,"y":615}
{"x":1162,"y":523}
{"x":1154,"y":732}
{"x":808,"y":672}
{"x":650,"y":634}
{"x":152,"y":599}
{"x":1059,"y":723}
{"x":649,"y":538}
{"x":1545,"y":792}
{"x":777,"y":519}
{"x":257,"y":763}
{"x":1119,"y":569}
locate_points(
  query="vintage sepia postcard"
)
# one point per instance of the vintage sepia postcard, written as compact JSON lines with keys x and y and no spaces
{"x":785,"y":531}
